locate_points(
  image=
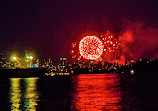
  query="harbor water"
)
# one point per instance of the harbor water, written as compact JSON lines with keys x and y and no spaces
{"x":83,"y":92}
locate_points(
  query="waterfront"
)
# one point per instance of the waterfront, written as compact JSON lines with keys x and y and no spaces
{"x":84,"y":92}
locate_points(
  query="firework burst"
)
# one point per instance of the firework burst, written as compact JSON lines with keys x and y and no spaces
{"x":94,"y":47}
{"x":91,"y":47}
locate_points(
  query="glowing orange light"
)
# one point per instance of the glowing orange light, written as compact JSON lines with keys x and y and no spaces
{"x":72,"y":72}
{"x":91,"y":47}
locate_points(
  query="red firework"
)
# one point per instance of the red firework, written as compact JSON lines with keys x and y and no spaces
{"x":110,"y":44}
{"x":91,"y":47}
{"x":101,"y":47}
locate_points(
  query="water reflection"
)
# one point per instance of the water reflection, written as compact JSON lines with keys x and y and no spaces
{"x":23,"y":94}
{"x":15,"y":94}
{"x":89,"y":92}
{"x":96,"y":92}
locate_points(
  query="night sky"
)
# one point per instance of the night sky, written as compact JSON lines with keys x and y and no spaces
{"x":49,"y":27}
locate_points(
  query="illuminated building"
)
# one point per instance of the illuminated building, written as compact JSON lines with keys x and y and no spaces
{"x":63,"y":61}
{"x":62,"y":67}
{"x":116,"y":64}
{"x":132,"y":61}
{"x":47,"y":63}
{"x":3,"y":61}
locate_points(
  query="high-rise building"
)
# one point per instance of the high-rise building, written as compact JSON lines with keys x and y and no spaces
{"x":2,"y":60}
{"x":63,"y":61}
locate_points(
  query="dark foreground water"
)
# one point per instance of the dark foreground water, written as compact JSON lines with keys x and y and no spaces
{"x":85,"y":92}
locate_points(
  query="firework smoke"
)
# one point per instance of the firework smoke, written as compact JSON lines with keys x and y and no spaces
{"x":136,"y":41}
{"x":139,"y":41}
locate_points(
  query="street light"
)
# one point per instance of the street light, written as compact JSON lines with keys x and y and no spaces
{"x":27,"y":57}
{"x":13,"y":58}
{"x":29,"y":60}
{"x":31,"y":57}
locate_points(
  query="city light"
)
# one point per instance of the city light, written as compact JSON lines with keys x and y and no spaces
{"x":27,"y":57}
{"x":31,"y":57}
{"x":13,"y":58}
{"x":132,"y":71}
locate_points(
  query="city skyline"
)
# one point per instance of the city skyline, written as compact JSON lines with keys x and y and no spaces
{"x":79,"y":55}
{"x":50,"y":27}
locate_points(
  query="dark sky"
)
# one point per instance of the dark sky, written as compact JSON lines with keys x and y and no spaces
{"x":51,"y":26}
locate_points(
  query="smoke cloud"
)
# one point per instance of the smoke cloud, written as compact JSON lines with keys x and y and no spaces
{"x":139,"y":41}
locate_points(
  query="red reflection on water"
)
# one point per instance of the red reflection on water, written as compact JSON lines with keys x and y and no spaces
{"x":95,"y":92}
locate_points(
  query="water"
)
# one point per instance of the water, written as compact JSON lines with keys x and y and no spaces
{"x":96,"y":92}
{"x":85,"y":92}
{"x":23,"y":94}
